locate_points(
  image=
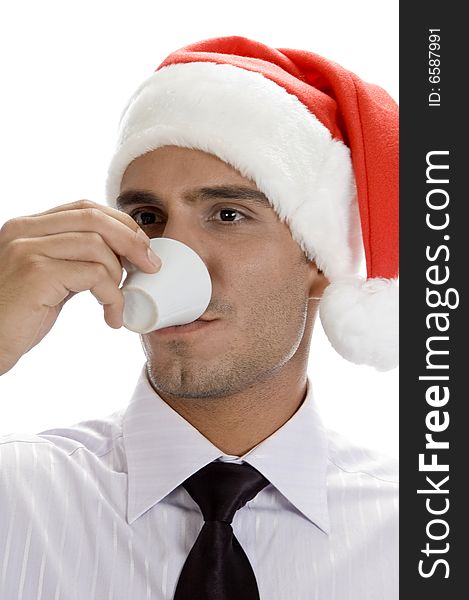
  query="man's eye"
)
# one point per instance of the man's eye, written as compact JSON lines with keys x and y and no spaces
{"x":230,"y":214}
{"x":227,"y":215}
{"x":147,"y":217}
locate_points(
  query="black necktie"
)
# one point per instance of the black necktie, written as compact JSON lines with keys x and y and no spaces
{"x":217,"y":567}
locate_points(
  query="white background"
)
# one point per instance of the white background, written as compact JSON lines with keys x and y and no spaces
{"x":67,"y":72}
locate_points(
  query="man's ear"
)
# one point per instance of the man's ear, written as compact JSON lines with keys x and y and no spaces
{"x":318,"y":282}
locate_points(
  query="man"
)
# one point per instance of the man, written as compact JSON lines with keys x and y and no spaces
{"x":218,"y":480}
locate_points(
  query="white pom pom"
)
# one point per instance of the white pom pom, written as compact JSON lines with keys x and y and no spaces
{"x":361,"y":319}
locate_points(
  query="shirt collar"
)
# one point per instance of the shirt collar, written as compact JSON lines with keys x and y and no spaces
{"x":163,"y":450}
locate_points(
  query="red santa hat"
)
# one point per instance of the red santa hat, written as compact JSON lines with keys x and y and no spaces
{"x":321,"y":143}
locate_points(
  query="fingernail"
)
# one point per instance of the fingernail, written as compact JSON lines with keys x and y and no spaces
{"x":153,"y":258}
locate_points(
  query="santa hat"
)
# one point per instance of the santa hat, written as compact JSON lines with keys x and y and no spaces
{"x":318,"y":141}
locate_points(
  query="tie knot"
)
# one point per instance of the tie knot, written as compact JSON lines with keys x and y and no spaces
{"x":222,"y":488}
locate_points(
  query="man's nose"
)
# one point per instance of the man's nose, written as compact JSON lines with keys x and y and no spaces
{"x":184,"y":230}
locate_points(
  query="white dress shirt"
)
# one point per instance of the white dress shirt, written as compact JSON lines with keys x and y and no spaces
{"x":96,"y":511}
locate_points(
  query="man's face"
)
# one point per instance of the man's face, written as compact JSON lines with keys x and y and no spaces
{"x":261,"y":280}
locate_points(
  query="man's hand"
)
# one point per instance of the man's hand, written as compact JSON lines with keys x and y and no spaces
{"x":49,"y":257}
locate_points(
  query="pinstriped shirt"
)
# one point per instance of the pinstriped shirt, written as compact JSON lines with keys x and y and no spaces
{"x":96,"y":510}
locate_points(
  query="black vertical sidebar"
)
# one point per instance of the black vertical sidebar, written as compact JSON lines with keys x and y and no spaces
{"x":434,"y":267}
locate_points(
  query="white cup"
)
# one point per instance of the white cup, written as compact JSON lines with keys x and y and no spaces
{"x":177,"y":294}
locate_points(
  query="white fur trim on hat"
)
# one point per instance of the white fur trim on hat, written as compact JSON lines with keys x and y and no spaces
{"x":361,"y":319}
{"x":265,"y":133}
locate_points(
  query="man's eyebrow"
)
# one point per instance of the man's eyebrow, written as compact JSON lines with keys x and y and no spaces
{"x":240,"y":192}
